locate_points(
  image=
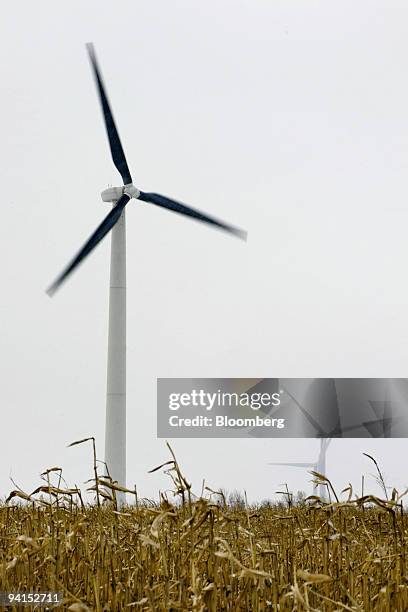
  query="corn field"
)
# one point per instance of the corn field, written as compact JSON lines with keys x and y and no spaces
{"x":203,"y":553}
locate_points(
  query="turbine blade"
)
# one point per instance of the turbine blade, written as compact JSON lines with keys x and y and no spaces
{"x":308,"y":416}
{"x":118,"y":155}
{"x":179,"y":207}
{"x":91,"y":243}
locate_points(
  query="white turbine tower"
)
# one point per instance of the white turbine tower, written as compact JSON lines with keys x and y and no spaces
{"x":115,"y":420}
{"x":115,"y":434}
{"x":317,"y":466}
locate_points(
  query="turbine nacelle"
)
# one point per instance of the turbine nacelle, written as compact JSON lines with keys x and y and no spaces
{"x":112,"y":194}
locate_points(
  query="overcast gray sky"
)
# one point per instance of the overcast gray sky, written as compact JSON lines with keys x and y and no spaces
{"x":287,"y":118}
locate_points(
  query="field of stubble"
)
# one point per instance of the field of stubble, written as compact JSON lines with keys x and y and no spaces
{"x":203,"y":553}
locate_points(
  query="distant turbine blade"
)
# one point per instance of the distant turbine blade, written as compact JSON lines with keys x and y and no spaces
{"x":178,"y":207}
{"x":118,"y":155}
{"x":308,"y":416}
{"x":293,"y":464}
{"x":91,"y":243}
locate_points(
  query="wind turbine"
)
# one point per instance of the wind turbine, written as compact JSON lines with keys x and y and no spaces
{"x":317,"y":466}
{"x":375,"y":426}
{"x":115,"y":432}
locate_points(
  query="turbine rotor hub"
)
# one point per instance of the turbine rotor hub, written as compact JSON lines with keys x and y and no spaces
{"x":131,"y":191}
{"x":112,"y":194}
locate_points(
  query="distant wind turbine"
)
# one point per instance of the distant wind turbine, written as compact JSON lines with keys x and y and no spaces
{"x":317,"y":466}
{"x":374,"y":427}
{"x":115,"y":432}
